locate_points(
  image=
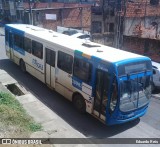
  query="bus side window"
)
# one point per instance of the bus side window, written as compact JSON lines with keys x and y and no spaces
{"x":18,"y":41}
{"x":65,"y":62}
{"x":82,"y":69}
{"x":27,"y":44}
{"x":37,"y":49}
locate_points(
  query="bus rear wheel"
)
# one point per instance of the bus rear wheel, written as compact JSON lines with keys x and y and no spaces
{"x":79,"y":103}
{"x":22,"y":66}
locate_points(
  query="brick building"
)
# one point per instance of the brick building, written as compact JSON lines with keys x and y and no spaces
{"x":132,"y":25}
{"x":73,"y":15}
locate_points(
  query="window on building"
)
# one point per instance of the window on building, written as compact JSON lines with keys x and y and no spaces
{"x":82,"y":69}
{"x":154,"y":2}
{"x":65,"y":62}
{"x":96,"y":27}
{"x":37,"y":16}
{"x":112,"y":12}
{"x":18,"y":14}
{"x":27,"y":45}
{"x":50,"y":57}
{"x":111,"y":27}
{"x":37,"y":49}
{"x":18,"y":41}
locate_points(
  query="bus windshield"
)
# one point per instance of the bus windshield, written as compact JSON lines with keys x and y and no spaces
{"x":134,"y":93}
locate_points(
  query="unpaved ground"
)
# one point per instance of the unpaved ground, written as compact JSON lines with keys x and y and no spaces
{"x":12,"y":131}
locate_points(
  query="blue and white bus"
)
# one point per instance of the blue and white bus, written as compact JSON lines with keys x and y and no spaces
{"x":112,"y":85}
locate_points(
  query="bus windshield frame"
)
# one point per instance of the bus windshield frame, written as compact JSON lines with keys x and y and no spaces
{"x":134,"y":85}
{"x":134,"y":68}
{"x":134,"y":92}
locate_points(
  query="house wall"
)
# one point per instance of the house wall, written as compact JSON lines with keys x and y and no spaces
{"x":147,"y":47}
{"x":148,"y":27}
{"x":141,"y":29}
{"x":72,"y":17}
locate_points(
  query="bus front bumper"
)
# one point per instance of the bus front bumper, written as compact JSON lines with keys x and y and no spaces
{"x":123,"y":118}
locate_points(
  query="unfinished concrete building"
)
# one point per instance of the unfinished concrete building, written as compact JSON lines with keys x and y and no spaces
{"x":132,"y":25}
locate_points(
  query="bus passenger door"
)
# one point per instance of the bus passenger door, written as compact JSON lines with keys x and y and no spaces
{"x":50,"y":67}
{"x":101,"y":94}
{"x":64,"y":74}
{"x":11,"y":40}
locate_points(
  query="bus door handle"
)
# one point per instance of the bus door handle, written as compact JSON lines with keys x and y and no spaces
{"x":69,"y":75}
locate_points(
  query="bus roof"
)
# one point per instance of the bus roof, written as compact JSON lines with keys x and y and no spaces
{"x":86,"y":47}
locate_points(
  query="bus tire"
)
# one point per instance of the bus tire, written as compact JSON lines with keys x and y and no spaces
{"x":22,"y":66}
{"x":79,"y":103}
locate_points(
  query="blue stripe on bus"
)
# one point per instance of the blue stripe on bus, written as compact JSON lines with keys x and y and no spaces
{"x":19,"y":50}
{"x":77,"y":52}
{"x":13,"y":30}
{"x":77,"y":83}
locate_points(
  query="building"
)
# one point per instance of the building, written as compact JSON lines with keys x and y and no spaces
{"x":48,"y":13}
{"x":8,"y":9}
{"x":1,"y":10}
{"x":53,"y":14}
{"x":103,"y":22}
{"x":132,"y":25}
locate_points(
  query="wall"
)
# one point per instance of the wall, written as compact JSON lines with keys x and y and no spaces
{"x":147,"y":47}
{"x":148,"y":27}
{"x":72,"y":18}
{"x":73,"y":15}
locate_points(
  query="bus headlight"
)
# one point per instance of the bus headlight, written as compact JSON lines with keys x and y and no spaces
{"x":113,"y":104}
{"x":114,"y":95}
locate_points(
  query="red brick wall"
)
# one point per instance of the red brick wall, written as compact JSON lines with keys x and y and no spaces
{"x":133,"y":44}
{"x":141,"y":8}
{"x":86,"y":21}
{"x":137,"y":45}
{"x":72,"y":16}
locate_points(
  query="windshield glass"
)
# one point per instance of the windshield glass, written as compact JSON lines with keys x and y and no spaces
{"x":134,"y":93}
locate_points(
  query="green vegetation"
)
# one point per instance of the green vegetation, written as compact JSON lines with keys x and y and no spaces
{"x":13,"y":114}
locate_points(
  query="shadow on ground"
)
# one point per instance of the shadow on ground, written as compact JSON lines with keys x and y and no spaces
{"x":84,"y":123}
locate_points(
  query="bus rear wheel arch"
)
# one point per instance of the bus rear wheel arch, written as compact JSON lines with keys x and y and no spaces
{"x":22,"y":65}
{"x":79,"y":103}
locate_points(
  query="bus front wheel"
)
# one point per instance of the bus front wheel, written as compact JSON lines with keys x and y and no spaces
{"x":22,"y":66}
{"x":79,"y":103}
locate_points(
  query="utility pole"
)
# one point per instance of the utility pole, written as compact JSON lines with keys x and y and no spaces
{"x":81,"y":12}
{"x":30,"y":12}
{"x":118,"y":23}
